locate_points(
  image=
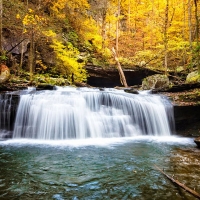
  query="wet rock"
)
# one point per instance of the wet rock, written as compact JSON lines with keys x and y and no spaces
{"x":197,"y":141}
{"x":109,"y":77}
{"x":132,"y":91}
{"x":45,"y":87}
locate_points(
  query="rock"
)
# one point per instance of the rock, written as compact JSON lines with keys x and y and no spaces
{"x":197,"y":141}
{"x":131,"y":90}
{"x":4,"y":73}
{"x":109,"y":77}
{"x":157,"y":81}
{"x":193,"y":77}
{"x":45,"y":87}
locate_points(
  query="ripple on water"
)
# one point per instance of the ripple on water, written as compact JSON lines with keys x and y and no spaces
{"x":125,"y":171}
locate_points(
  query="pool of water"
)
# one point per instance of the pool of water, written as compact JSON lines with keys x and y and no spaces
{"x":98,"y":169}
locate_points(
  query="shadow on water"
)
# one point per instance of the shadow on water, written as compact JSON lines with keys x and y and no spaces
{"x":115,"y":170}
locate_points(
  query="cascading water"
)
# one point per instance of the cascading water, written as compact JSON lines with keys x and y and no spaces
{"x":7,"y":112}
{"x":90,"y":113}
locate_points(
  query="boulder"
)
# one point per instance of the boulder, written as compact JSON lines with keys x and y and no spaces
{"x":157,"y":81}
{"x":193,"y":77}
{"x":4,"y":73}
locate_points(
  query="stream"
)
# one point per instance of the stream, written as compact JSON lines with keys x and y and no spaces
{"x":104,"y":168}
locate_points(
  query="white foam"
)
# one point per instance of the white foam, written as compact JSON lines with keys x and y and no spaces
{"x":102,"y":142}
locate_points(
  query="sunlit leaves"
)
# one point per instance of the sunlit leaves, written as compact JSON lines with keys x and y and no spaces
{"x":67,"y":60}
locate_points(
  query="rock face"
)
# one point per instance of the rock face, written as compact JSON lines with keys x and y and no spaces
{"x":99,"y":77}
{"x":187,"y":119}
{"x":8,"y":109}
{"x":4,"y":73}
{"x":156,"y":81}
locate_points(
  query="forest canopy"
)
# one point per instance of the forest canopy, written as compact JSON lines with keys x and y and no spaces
{"x":62,"y":36}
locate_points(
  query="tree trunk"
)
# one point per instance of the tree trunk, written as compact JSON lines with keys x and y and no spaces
{"x":194,"y":193}
{"x":121,"y":73}
{"x":1,"y":18}
{"x":22,"y":45}
{"x":197,"y":36}
{"x":166,"y":36}
{"x":190,"y":23}
{"x":31,"y":56}
{"x":129,"y":16}
{"x":103,"y":30}
{"x":117,"y":28}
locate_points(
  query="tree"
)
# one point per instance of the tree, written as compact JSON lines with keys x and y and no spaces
{"x":67,"y":61}
{"x":166,"y":24}
{"x":197,"y":36}
{"x":117,"y":26}
{"x":1,"y":18}
{"x":32,"y":27}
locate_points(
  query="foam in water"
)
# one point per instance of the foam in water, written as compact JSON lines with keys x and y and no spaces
{"x":70,"y":113}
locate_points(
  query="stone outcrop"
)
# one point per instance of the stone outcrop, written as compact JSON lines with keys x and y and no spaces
{"x":99,"y":77}
{"x":187,"y":120}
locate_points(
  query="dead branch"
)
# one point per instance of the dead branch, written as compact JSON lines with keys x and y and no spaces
{"x":179,"y":183}
{"x":15,"y":46}
{"x":121,"y":73}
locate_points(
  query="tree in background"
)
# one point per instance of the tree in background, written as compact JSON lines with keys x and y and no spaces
{"x":1,"y":17}
{"x":159,"y":34}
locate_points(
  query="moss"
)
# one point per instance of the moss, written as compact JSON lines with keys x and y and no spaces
{"x":193,"y":77}
{"x":155,"y":81}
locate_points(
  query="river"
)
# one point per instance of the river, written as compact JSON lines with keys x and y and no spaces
{"x":115,"y":168}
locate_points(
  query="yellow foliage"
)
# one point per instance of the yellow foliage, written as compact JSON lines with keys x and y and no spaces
{"x":32,"y":19}
{"x":18,"y":16}
{"x":67,"y":57}
{"x":49,"y":33}
{"x":41,"y":64}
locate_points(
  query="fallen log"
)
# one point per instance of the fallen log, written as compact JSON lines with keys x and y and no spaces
{"x":194,"y":193}
{"x":121,"y":73}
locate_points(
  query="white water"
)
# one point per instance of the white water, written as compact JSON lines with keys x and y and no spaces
{"x":70,"y":113}
{"x":100,"y":142}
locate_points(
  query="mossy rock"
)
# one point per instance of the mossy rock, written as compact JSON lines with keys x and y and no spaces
{"x":193,"y":77}
{"x":156,"y":81}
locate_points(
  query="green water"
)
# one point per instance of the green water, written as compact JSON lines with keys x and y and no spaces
{"x":122,"y":169}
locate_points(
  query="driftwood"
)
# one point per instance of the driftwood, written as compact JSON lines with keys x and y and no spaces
{"x":194,"y":193}
{"x":121,"y":73}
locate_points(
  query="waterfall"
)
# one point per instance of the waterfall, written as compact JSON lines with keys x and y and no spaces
{"x":69,"y":112}
{"x":6,"y":113}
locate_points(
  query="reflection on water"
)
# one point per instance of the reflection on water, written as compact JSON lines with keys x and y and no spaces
{"x":120,"y":169}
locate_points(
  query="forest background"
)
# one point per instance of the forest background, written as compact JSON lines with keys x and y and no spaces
{"x":41,"y":40}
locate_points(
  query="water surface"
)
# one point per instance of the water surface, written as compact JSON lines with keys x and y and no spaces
{"x":117,"y":168}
